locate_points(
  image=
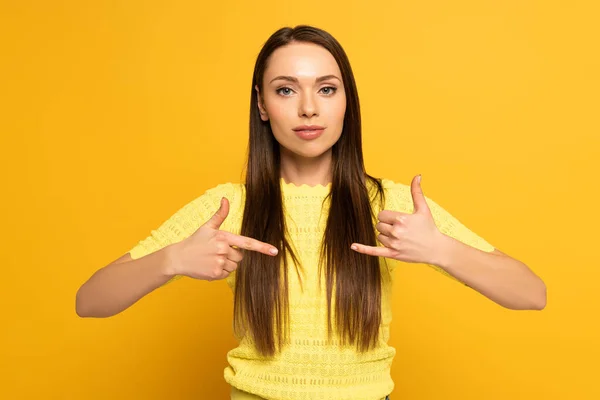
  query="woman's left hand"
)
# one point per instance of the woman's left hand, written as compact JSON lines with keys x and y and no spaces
{"x":412,"y":237}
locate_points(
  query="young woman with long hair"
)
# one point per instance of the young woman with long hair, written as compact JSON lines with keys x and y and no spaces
{"x":298,"y":242}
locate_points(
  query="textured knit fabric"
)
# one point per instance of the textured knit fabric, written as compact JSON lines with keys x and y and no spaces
{"x":309,"y":367}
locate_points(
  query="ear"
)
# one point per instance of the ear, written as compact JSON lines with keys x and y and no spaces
{"x":261,"y":107}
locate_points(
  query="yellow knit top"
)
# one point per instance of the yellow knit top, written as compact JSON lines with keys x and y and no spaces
{"x":308,"y":367}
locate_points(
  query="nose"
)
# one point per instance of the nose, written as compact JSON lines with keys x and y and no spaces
{"x":308,"y":106}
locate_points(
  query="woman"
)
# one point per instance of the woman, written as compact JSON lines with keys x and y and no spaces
{"x":308,"y":203}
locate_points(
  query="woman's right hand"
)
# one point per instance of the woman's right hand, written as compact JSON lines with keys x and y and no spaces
{"x":208,"y":253}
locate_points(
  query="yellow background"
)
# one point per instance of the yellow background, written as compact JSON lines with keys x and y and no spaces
{"x":115,"y":114}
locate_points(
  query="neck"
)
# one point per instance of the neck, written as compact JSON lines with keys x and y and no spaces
{"x":303,"y":170}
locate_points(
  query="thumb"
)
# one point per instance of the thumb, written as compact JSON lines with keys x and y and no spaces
{"x":420,"y":205}
{"x":217,"y":219}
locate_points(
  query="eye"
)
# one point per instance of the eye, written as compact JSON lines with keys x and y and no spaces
{"x":284,"y":91}
{"x":331,"y":90}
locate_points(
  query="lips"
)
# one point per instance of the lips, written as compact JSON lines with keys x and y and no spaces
{"x":308,"y":128}
{"x":309,"y":132}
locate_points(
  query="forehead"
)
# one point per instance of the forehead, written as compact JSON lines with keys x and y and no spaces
{"x":303,"y":60}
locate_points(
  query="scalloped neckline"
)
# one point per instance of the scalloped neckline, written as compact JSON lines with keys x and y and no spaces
{"x":304,"y":188}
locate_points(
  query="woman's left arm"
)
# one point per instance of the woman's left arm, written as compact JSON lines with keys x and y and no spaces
{"x":457,"y":251}
{"x":499,"y":277}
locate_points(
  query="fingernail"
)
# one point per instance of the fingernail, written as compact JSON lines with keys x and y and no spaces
{"x":419,"y":178}
{"x":353,"y":247}
{"x":273,"y":251}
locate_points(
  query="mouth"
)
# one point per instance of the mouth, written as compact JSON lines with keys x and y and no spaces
{"x":308,"y":132}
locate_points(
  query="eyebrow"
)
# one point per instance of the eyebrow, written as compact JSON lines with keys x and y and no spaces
{"x":295,"y":80}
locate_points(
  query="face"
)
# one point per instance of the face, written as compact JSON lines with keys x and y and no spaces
{"x":302,"y":85}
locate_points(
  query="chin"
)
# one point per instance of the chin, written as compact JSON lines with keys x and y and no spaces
{"x":308,"y":151}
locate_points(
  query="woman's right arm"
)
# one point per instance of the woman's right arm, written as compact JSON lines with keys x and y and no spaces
{"x":207,"y":254}
{"x":123,"y":282}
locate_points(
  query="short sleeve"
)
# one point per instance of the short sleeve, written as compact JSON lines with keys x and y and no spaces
{"x":399,"y":198}
{"x":187,"y":220}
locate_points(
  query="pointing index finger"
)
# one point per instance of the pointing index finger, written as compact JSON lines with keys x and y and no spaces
{"x":372,"y":250}
{"x":247,"y":243}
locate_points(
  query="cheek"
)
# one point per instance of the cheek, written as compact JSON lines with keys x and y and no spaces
{"x":337,"y":111}
{"x":281,"y":112}
{"x":281,"y":118}
{"x":338,"y":108}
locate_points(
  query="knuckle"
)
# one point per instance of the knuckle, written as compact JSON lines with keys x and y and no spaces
{"x":222,"y":248}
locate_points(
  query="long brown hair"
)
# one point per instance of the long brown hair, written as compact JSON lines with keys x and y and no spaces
{"x":261,"y":294}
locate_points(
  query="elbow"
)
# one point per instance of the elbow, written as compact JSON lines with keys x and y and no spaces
{"x":537,"y":297}
{"x":542,"y":297}
{"x":87,"y":308}
{"x":80,"y":305}
{"x":84,"y":311}
{"x":531,"y":299}
{"x":84,"y":307}
{"x":80,"y":313}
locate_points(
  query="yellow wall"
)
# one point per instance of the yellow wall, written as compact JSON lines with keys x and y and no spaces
{"x":115,"y":114}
